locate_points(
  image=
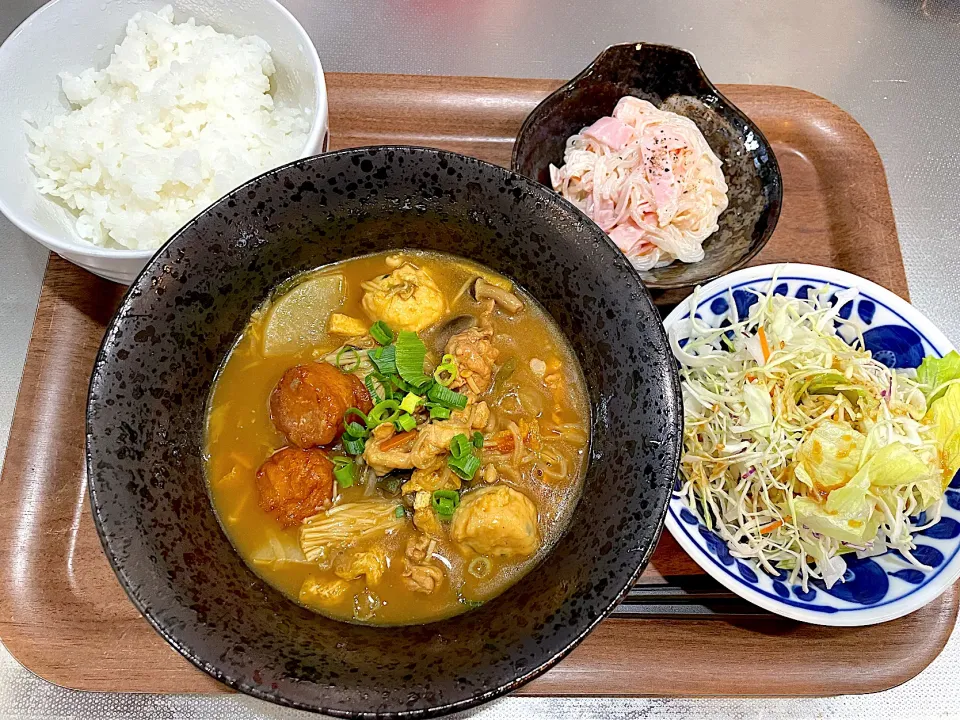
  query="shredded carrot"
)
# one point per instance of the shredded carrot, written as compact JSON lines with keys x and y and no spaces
{"x":771,"y":527}
{"x":398,"y":440}
{"x":763,"y":343}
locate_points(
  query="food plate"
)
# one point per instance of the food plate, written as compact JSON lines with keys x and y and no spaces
{"x":875,"y":589}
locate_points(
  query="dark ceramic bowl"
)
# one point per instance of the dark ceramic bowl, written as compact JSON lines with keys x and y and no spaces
{"x":671,"y":79}
{"x":145,"y":419}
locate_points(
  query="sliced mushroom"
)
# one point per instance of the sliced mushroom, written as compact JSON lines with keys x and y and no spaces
{"x":483,"y":290}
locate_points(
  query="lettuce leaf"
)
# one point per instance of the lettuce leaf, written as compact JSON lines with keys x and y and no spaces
{"x":851,"y":527}
{"x":934,"y":372}
{"x":757,"y":399}
{"x":850,"y":499}
{"x":892,"y":465}
{"x":944,"y":415}
{"x":830,"y":454}
{"x":848,"y":514}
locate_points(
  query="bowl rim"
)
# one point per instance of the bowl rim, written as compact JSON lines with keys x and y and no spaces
{"x":854,"y":617}
{"x":777,"y":199}
{"x":675,"y":409}
{"x":58,"y":244}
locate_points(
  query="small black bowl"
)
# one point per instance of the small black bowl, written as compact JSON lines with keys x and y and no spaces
{"x":145,"y":420}
{"x":671,"y":79}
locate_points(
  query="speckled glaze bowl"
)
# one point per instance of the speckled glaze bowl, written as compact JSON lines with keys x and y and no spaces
{"x":153,"y":373}
{"x":671,"y":79}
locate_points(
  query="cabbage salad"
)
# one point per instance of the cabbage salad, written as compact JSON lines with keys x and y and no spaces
{"x":799,"y":447}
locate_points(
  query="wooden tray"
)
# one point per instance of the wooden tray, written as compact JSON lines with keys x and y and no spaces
{"x":65,"y":617}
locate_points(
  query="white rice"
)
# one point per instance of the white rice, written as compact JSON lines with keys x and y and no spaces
{"x":180,"y":116}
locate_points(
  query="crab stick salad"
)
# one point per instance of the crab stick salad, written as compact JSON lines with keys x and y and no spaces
{"x":800,"y":447}
{"x":649,"y":179}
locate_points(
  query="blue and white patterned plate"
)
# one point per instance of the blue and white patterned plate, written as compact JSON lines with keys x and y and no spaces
{"x":876,"y":589}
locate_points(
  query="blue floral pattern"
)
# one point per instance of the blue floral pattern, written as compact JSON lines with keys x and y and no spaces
{"x":895,"y":346}
{"x":869,"y":582}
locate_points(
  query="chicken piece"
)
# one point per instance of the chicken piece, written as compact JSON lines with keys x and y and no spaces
{"x":418,"y":574}
{"x":496,"y":521}
{"x":434,"y":439}
{"x":314,"y":592}
{"x":424,"y":517}
{"x":475,"y":355}
{"x":406,"y":299}
{"x":383,"y":461}
{"x":295,"y":484}
{"x":308,"y":403}
{"x":371,"y":563}
{"x":419,"y":548}
{"x":421,"y":578}
{"x":422,"y":448}
{"x":475,"y":416}
{"x":441,"y":478}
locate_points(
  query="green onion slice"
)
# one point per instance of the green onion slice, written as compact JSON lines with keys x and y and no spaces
{"x":478,"y":439}
{"x":345,"y":365}
{"x":381,"y":332}
{"x":372,"y":384}
{"x":410,"y":356}
{"x":447,"y":397}
{"x":445,"y":502}
{"x":480,"y":567}
{"x":438,"y":412}
{"x":399,"y":511}
{"x":353,"y":445}
{"x":355,"y":430}
{"x":410,"y":403}
{"x":383,"y":412}
{"x":344,"y":470}
{"x":386,"y":386}
{"x":447,"y":371}
{"x":355,"y":412}
{"x":425,"y":384}
{"x":406,"y":422}
{"x":400,"y":385}
{"x":384,"y":359}
{"x":466,"y":466}
{"x":460,"y":446}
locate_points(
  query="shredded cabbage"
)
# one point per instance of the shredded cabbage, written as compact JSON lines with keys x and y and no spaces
{"x":800,"y":447}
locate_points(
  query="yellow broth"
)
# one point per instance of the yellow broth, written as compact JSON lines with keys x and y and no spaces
{"x":240,"y":436}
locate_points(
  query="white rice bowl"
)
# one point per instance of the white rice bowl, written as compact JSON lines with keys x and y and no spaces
{"x":180,"y":116}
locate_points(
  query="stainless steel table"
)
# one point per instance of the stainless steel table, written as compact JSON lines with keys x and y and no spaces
{"x":893,"y":64}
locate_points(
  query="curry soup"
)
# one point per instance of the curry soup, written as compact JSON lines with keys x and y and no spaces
{"x":443,"y":484}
